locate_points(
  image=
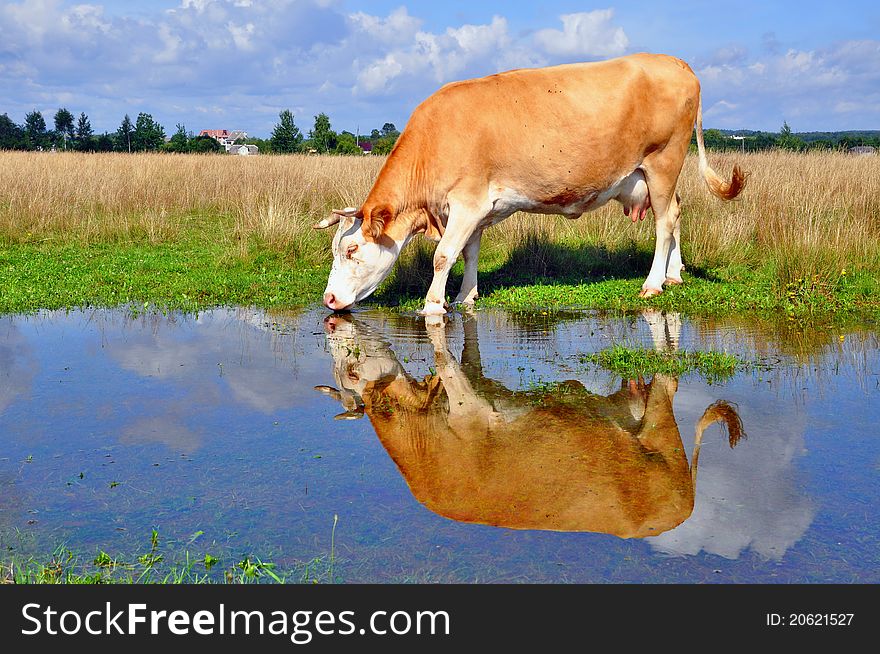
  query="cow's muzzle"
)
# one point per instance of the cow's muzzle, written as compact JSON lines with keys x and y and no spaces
{"x":334,"y":304}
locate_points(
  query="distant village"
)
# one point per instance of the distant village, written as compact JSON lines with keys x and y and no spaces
{"x":228,"y":139}
{"x":144,"y":134}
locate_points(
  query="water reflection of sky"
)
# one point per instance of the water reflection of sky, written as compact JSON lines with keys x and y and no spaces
{"x":210,"y":423}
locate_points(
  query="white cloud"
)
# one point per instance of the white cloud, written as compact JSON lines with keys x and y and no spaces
{"x":585,"y":34}
{"x":458,"y":52}
{"x":810,"y":85}
{"x":241,"y":56}
{"x":396,"y":27}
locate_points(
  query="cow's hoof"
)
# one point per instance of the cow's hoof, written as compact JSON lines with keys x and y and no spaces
{"x":672,"y":281}
{"x":433,"y":309}
{"x":650,"y":292}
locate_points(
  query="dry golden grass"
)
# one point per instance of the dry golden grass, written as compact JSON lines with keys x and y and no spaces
{"x":120,"y":197}
{"x":809,"y":215}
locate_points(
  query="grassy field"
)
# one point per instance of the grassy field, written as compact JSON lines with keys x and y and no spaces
{"x":193,"y":231}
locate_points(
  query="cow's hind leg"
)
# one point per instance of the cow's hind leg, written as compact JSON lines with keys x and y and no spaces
{"x":471,"y":253}
{"x":674,"y":265}
{"x":662,"y":170}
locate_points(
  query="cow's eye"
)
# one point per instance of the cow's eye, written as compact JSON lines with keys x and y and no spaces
{"x":350,"y":250}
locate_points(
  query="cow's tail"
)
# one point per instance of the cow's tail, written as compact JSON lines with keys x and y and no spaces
{"x":725,"y":413}
{"x":716,"y":184}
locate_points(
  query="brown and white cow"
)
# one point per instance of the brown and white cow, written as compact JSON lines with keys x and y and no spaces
{"x":591,"y":132}
{"x":560,"y":459}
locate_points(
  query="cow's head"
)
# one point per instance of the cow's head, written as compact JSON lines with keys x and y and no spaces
{"x":360,"y":358}
{"x":363,"y":254}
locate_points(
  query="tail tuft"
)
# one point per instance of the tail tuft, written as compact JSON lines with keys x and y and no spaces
{"x":722,"y":189}
{"x":727,"y":414}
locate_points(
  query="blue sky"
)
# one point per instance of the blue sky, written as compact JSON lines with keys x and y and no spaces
{"x":234,"y":64}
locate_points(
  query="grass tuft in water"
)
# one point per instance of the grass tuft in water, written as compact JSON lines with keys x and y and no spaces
{"x":638,"y":362}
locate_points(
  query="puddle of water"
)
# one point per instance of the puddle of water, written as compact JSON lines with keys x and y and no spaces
{"x":481,"y":450}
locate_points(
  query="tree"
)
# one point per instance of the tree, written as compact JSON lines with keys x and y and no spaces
{"x":384,"y":145}
{"x":123,"y":135}
{"x":104,"y":143}
{"x":35,"y":130}
{"x":204,"y":144}
{"x":286,"y":136}
{"x":375,"y":135}
{"x":148,"y":134}
{"x":179,"y":140}
{"x":347,"y":144}
{"x":388,"y":129}
{"x":64,"y":125}
{"x":787,"y":140}
{"x":11,"y":135}
{"x":323,"y":138}
{"x":84,"y":133}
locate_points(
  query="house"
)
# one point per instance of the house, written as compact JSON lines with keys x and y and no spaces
{"x":863,"y":150}
{"x":243,"y":150}
{"x":366,"y":147}
{"x":225,"y":137}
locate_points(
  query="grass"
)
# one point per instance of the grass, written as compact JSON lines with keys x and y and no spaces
{"x":195,"y":231}
{"x":631,"y":363}
{"x":154,"y":565}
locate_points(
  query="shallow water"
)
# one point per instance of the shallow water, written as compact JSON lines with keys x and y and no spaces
{"x":480,"y":450}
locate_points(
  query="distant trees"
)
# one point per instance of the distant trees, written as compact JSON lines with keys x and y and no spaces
{"x":83,"y":134}
{"x":148,"y":135}
{"x":322,"y":137}
{"x":205,"y":144}
{"x":182,"y":141}
{"x":286,"y":137}
{"x":346,"y":143}
{"x":788,"y":141}
{"x":123,"y":135}
{"x":35,"y":132}
{"x":179,"y":141}
{"x":11,"y":135}
{"x":145,"y":134}
{"x":63,"y":127}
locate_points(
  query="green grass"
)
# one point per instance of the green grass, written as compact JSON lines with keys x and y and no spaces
{"x":631,"y":363}
{"x":195,"y":272}
{"x":187,"y":276}
{"x":543,"y":275}
{"x":160,"y":564}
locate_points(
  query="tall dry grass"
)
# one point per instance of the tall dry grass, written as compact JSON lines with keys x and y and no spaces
{"x":809,"y":215}
{"x":91,"y":198}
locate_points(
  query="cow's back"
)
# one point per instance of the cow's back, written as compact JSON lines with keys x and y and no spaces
{"x":566,"y":130}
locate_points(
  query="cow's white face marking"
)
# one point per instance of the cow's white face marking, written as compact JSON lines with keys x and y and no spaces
{"x":359,"y":265}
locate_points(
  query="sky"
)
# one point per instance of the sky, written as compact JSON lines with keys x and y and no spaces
{"x":235,"y":64}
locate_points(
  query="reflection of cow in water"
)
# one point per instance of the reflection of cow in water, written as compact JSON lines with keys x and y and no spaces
{"x":560,"y":458}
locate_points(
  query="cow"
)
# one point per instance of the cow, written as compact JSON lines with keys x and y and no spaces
{"x":590,"y":133}
{"x":557,"y":458}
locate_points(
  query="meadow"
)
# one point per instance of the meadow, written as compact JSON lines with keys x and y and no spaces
{"x":192,"y":231}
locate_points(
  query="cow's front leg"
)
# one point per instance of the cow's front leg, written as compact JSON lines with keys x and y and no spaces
{"x":450,"y":246}
{"x":471,"y":253}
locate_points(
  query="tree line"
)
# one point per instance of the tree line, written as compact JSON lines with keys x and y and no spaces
{"x":785,"y":139}
{"x":287,"y":137}
{"x":145,"y":134}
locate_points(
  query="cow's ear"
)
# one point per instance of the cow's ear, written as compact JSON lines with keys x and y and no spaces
{"x":377,"y":220}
